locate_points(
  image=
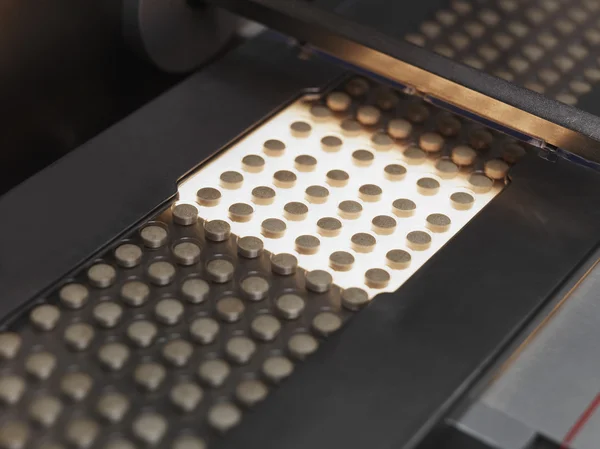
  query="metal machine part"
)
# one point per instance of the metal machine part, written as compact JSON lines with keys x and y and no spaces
{"x":175,"y":36}
{"x":549,"y":386}
{"x":471,"y":90}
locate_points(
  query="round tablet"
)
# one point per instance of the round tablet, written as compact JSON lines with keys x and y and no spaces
{"x":284,"y":264}
{"x":462,"y":200}
{"x":302,"y":345}
{"x":448,"y":125}
{"x":250,"y":392}
{"x":438,"y":222}
{"x":320,"y":112}
{"x":253,"y":163}
{"x":185,"y":214}
{"x":277,"y":368}
{"x":362,"y":158}
{"x":45,"y":317}
{"x":368,"y":115}
{"x":11,"y":389}
{"x":45,"y":410}
{"x":349,"y":209}
{"x":414,"y":155}
{"x":241,"y":212}
{"x":240,"y":349}
{"x":183,"y":442}
{"x":289,"y":306}
{"x":357,"y":87}
{"x":169,"y":311}
{"x":480,"y":183}
{"x":362,"y":242}
{"x":40,"y":365}
{"x":217,"y":230}
{"x":418,"y":240}
{"x":230,"y":309}
{"x":369,"y":193}
{"x":338,"y":101}
{"x":394,"y":172}
{"x":81,"y":432}
{"x":273,"y":147}
{"x":403,"y":207}
{"x":79,"y":336}
{"x":399,"y":128}
{"x":75,"y":385}
{"x":305,"y":163}
{"x":149,"y":376}
{"x":445,"y":168}
{"x":284,"y":179}
{"x":250,"y":247}
{"x":307,"y":244}
{"x":377,"y":278}
{"x":417,"y":112}
{"x":512,"y":153}
{"x":142,"y":333}
{"x":73,"y":296}
{"x":195,"y":290}
{"x":331,"y":143}
{"x":161,"y":273}
{"x":108,"y":314}
{"x":13,"y":434}
{"x":265,"y":327}
{"x":208,"y":196}
{"x":150,"y":428}
{"x":154,"y":236}
{"x":326,"y":323}
{"x":337,"y":178}
{"x":128,"y":255}
{"x":220,"y":270}
{"x":186,"y":396}
{"x":431,"y":142}
{"x":463,"y":155}
{"x":341,"y":261}
{"x":381,"y":141}
{"x":112,"y":407}
{"x":300,"y":129}
{"x":481,"y":139}
{"x":10,"y":343}
{"x":255,"y":287}
{"x":186,"y":253}
{"x":354,"y":298}
{"x":329,"y":226}
{"x":318,"y":281}
{"x":204,"y":330}
{"x":263,"y":195}
{"x":386,"y":99}
{"x":135,"y":293}
{"x":350,"y":127}
{"x":177,"y":352}
{"x":383,"y":224}
{"x":428,"y":186}
{"x":223,"y":416}
{"x":316,"y":194}
{"x":273,"y":228}
{"x":496,"y":169}
{"x":113,"y":355}
{"x":101,"y":275}
{"x":231,"y":180}
{"x":295,"y":211}
{"x":214,"y":372}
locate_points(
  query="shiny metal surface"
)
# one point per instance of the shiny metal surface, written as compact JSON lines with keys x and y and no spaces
{"x":550,"y":386}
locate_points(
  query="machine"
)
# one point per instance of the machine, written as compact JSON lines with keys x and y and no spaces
{"x":356,"y":224}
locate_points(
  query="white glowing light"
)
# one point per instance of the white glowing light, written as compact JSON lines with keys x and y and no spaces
{"x":279,"y":128}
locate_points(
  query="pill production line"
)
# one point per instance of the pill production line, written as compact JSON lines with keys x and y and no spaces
{"x":322,"y":224}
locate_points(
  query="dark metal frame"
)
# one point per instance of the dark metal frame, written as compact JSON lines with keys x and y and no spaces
{"x":472,"y":90}
{"x":392,"y":375}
